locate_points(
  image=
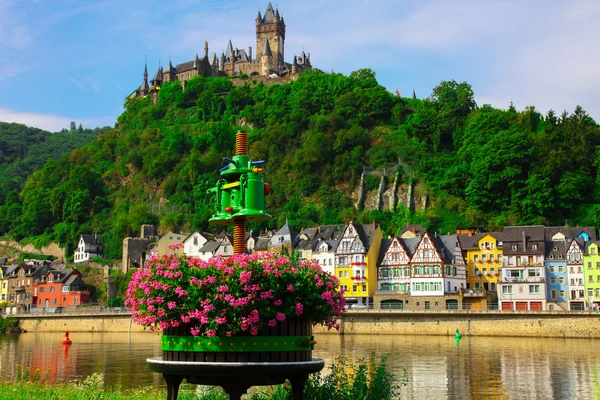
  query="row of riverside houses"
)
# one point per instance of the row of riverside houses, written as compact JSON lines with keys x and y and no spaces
{"x":519,"y":268}
{"x":40,"y":287}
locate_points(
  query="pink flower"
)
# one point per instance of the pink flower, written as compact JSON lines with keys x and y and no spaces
{"x":211,"y":332}
{"x":272,"y":323}
{"x":223,"y":289}
{"x":290,"y":288}
{"x":161,"y":313}
{"x":280,"y":316}
{"x":221,"y":320}
{"x":171,"y":305}
{"x":176,"y":246}
{"x":195,"y":331}
{"x":267,"y":295}
{"x":278,"y":302}
{"x":245,"y":276}
{"x":299,"y":308}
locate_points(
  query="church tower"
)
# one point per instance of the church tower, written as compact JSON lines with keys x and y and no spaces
{"x":271,"y":29}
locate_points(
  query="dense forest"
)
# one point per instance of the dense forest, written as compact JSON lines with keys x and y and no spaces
{"x":24,"y":150}
{"x":481,"y":166}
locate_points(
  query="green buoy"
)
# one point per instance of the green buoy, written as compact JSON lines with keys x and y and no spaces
{"x":457,"y":335}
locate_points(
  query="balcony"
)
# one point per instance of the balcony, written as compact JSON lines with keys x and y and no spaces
{"x":530,"y":279}
{"x":479,"y":292}
{"x":359,"y":278}
{"x":19,"y":288}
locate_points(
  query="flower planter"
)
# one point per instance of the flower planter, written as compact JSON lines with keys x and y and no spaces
{"x":291,"y":340}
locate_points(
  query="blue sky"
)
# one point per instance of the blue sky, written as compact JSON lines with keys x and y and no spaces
{"x":76,"y":60}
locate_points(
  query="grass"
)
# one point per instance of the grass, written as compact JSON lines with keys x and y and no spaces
{"x":345,"y":380}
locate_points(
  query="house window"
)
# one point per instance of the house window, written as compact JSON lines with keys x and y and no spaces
{"x":41,"y":290}
{"x":492,"y":271}
{"x":533,"y":272}
{"x":563,"y":294}
{"x":52,"y":289}
{"x":493,"y":286}
{"x":514,"y":246}
{"x":533,"y":289}
{"x":507,"y":289}
{"x":491,"y":258}
{"x":483,"y":259}
{"x":590,"y":279}
{"x":354,"y":288}
{"x":345,"y":274}
{"x":589,"y":265}
{"x":597,"y":292}
{"x":476,"y":258}
{"x":427,"y":305}
{"x":553,"y":294}
{"x":534,"y":246}
{"x":551,"y":268}
{"x":364,"y":288}
{"x":592,"y":250}
{"x":561,"y":280}
{"x":553,"y":280}
{"x":55,"y":300}
{"x":195,"y":241}
{"x":339,"y":274}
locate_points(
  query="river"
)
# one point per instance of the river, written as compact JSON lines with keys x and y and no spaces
{"x":436,"y":367}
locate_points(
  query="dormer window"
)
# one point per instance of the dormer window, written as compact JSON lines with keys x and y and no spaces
{"x":534,"y":246}
{"x":514,"y":246}
{"x":555,"y":248}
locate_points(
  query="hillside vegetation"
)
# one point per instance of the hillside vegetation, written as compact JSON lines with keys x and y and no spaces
{"x":481,"y":166}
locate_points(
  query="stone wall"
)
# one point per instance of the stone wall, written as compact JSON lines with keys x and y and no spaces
{"x":542,"y":324}
{"x":52,"y":249}
{"x":525,"y":324}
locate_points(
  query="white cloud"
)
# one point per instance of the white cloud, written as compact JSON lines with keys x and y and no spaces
{"x":51,"y":122}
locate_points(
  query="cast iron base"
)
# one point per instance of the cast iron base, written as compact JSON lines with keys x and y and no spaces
{"x":235,"y":377}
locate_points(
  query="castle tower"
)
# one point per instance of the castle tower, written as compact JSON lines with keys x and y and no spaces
{"x":270,"y":28}
{"x":169,"y":74}
{"x":144,"y":87}
{"x":266,"y":58}
{"x":205,"y":49}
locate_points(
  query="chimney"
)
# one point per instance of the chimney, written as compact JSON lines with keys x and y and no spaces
{"x":524,"y":241}
{"x":250,"y":53}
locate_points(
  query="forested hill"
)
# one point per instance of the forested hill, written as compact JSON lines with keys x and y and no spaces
{"x":24,"y":150}
{"x":481,"y":166}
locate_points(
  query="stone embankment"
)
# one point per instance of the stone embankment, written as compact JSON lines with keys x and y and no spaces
{"x":522,"y":324}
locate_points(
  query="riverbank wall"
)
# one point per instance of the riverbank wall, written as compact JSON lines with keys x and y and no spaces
{"x":518,"y":324}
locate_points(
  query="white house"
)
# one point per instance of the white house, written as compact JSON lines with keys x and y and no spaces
{"x":193,"y":243}
{"x":89,"y":246}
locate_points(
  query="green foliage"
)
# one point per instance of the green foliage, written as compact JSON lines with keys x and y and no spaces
{"x":480,"y":165}
{"x":8,"y":323}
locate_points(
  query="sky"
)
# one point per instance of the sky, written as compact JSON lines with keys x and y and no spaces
{"x":77,"y":60}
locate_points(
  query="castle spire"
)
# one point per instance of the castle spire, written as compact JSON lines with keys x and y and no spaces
{"x":414,"y":95}
{"x":146,"y":68}
{"x":267,"y":49}
{"x":229,"y":51}
{"x":205,"y":49}
{"x":259,"y":17}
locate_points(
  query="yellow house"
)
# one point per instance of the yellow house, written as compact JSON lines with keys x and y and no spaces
{"x":3,"y":286}
{"x":356,"y":261}
{"x":484,"y":264}
{"x":169,"y":239}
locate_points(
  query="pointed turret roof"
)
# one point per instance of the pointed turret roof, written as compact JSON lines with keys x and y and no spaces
{"x":259,"y":17}
{"x":269,"y":14}
{"x":277,"y":12}
{"x":158,"y":75}
{"x":170,"y":67}
{"x":267,"y":49}
{"x":229,"y":51}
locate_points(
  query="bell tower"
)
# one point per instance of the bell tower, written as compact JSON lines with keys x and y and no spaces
{"x":270,"y":28}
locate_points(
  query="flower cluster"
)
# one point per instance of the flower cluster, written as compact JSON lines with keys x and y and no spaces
{"x":231,"y":296}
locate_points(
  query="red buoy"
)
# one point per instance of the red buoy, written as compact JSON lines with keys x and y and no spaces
{"x":229,"y":209}
{"x":267,"y":189}
{"x":66,"y":340}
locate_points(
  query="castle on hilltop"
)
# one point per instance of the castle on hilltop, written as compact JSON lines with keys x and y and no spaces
{"x":269,"y":59}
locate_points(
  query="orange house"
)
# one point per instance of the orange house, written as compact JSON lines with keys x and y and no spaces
{"x":61,"y":289}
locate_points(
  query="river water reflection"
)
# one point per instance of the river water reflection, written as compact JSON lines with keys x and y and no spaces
{"x":436,"y":367}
